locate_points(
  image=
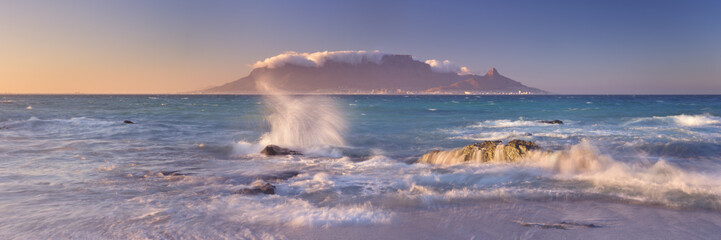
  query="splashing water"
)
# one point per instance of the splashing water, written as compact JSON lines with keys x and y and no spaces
{"x":303,"y":122}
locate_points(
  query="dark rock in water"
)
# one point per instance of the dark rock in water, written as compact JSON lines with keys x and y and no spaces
{"x":282,"y":176}
{"x":264,"y":188}
{"x":273,"y":150}
{"x":552,"y":122}
{"x":485,"y":151}
{"x":588,"y":225}
{"x":562,"y":225}
{"x":128,"y":122}
{"x":516,"y":149}
{"x":172,"y":173}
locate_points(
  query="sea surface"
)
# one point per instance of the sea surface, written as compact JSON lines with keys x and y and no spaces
{"x":620,"y":167}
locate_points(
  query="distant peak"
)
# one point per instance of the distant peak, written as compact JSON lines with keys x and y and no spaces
{"x":492,"y":72}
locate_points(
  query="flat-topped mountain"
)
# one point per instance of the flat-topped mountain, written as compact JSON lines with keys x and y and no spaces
{"x":365,"y":72}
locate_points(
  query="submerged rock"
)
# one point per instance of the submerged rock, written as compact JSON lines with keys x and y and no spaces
{"x":273,"y":150}
{"x":172,"y":173}
{"x":551,"y":121}
{"x":281,"y":176}
{"x":562,"y":225}
{"x":486,"y":151}
{"x":128,"y":122}
{"x":258,"y":188}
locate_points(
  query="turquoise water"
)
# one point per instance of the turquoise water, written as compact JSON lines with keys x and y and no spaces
{"x":70,"y":168}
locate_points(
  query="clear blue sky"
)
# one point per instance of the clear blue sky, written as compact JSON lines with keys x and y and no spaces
{"x":635,"y":47}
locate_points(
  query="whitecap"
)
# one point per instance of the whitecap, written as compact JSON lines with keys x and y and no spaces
{"x":681,"y":120}
{"x":245,"y":148}
{"x":505,"y":123}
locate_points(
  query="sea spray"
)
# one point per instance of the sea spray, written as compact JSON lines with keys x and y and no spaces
{"x":312,"y":124}
{"x":587,"y":169}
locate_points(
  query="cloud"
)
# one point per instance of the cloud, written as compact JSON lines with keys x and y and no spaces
{"x":317,"y":59}
{"x":446,"y":66}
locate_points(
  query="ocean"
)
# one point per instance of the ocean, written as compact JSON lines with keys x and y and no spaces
{"x":619,"y":167}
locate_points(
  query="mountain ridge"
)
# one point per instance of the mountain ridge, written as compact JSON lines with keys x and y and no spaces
{"x":392,"y":73}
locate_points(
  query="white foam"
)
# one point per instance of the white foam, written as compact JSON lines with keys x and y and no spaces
{"x":505,"y":123}
{"x":296,"y":212}
{"x":658,"y":182}
{"x":681,"y":120}
{"x":695,"y":120}
{"x":490,"y":136}
{"x":246,"y":148}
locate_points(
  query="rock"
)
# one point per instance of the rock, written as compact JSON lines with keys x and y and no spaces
{"x":486,"y":148}
{"x":273,"y":150}
{"x":172,"y":173}
{"x":516,"y":149}
{"x":477,"y":152}
{"x":551,"y":122}
{"x":281,"y":176}
{"x":258,"y":188}
{"x":128,"y":122}
{"x":562,"y":225}
{"x":430,"y":157}
{"x":486,"y":151}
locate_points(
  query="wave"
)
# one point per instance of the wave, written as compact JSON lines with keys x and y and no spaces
{"x":311,"y":124}
{"x":296,"y":212}
{"x":246,"y":148}
{"x":579,"y":165}
{"x":681,"y":120}
{"x":82,"y":122}
{"x":491,"y":136}
{"x":695,"y":120}
{"x":505,"y":123}
{"x":303,"y":121}
{"x":660,"y":182}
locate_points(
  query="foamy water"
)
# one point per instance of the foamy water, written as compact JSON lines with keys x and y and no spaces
{"x":69,"y":167}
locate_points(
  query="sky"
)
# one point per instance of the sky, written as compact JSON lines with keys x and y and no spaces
{"x":160,"y":46}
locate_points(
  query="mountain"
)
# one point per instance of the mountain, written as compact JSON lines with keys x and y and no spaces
{"x":491,"y":82}
{"x":388,"y":73}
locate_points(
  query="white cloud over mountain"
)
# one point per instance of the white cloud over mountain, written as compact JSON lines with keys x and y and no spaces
{"x":446,"y":66}
{"x":317,"y":59}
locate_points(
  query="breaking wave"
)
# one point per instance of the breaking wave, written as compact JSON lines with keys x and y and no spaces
{"x":303,"y":122}
{"x":312,"y":124}
{"x":296,"y":212}
{"x":579,"y":165}
{"x":505,"y":123}
{"x":682,"y":120}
